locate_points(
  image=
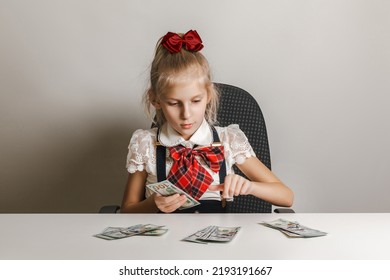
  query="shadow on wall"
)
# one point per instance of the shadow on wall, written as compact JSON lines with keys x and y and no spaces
{"x":74,"y":174}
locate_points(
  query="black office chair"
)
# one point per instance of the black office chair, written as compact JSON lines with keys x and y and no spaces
{"x":237,"y":106}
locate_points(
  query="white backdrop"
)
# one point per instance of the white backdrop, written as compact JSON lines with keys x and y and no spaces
{"x":72,"y":75}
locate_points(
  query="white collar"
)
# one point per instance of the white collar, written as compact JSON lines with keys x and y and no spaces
{"x":169,"y":137}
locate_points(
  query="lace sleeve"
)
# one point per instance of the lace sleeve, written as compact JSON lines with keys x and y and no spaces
{"x":236,"y":144}
{"x":141,"y":155}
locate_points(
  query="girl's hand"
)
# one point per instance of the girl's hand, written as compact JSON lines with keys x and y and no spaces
{"x":168,"y":204}
{"x":234,"y":185}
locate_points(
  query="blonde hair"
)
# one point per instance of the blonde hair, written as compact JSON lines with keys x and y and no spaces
{"x":167,"y":69}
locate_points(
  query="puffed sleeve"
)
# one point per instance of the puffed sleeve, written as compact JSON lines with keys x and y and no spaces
{"x":236,"y":145}
{"x":141,"y":155}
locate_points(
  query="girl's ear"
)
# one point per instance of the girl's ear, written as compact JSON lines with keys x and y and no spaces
{"x":208,"y":97}
{"x":156,"y":104}
{"x":209,"y":90}
{"x":153,"y":99}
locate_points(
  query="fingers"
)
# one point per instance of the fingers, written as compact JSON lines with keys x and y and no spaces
{"x":214,"y":188}
{"x":234,"y":185}
{"x":170,"y":203}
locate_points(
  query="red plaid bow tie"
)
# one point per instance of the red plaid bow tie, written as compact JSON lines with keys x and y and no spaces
{"x":188,"y":174}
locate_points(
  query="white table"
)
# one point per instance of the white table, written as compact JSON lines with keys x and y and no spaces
{"x":70,"y":236}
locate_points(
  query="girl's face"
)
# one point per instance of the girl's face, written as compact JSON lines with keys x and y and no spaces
{"x":184,"y":106}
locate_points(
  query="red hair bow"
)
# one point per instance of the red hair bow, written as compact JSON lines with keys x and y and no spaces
{"x":191,"y":42}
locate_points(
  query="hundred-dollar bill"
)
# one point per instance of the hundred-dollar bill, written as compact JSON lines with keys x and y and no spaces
{"x":293,"y":229}
{"x":213,"y":234}
{"x":166,"y":188}
{"x":112,"y":233}
{"x":155,"y":232}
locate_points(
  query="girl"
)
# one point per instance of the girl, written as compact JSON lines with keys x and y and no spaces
{"x":185,"y":102}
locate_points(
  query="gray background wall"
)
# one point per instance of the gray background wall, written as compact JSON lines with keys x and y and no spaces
{"x":72,"y":74}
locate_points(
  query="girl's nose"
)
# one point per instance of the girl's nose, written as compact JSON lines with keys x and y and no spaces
{"x":185,"y":112}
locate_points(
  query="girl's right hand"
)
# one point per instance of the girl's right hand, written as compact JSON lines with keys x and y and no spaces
{"x":168,"y":204}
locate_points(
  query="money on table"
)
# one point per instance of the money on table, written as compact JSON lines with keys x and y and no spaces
{"x":293,"y":229}
{"x":112,"y":233}
{"x":213,"y":234}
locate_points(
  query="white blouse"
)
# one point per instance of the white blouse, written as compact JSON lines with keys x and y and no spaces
{"x":142,"y":150}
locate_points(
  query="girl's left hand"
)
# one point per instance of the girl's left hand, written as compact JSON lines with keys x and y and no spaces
{"x":168,"y":204}
{"x":234,"y":185}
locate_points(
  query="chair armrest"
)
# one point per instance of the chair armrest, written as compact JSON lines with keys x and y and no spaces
{"x":284,"y":210}
{"x":109,"y":209}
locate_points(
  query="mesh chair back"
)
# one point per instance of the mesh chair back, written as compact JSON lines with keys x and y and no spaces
{"x":237,"y":106}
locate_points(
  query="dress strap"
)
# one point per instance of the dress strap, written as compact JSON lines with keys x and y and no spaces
{"x":161,"y":165}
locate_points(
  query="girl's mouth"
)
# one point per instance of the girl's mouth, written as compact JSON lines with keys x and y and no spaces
{"x":186,"y":126}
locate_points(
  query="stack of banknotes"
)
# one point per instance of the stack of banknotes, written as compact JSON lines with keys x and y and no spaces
{"x":166,"y":188}
{"x":293,"y":229}
{"x":213,"y":234}
{"x":112,"y":233}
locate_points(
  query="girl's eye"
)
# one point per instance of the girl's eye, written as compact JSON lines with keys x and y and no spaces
{"x":196,"y":100}
{"x":172,"y":103}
